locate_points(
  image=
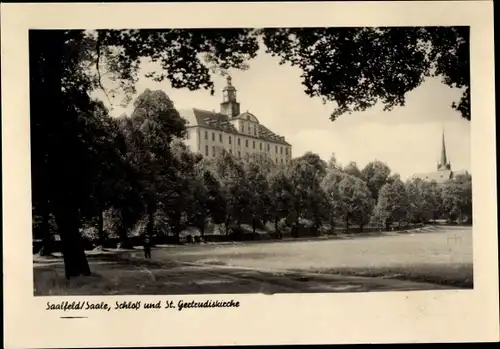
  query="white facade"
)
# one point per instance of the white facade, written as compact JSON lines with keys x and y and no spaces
{"x":239,"y":134}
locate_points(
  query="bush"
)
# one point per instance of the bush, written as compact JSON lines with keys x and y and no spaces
{"x":283,"y":228}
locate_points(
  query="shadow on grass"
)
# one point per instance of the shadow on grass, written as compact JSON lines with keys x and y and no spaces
{"x":458,"y":275}
{"x":132,"y":275}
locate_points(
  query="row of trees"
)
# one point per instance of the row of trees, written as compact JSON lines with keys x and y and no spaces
{"x":141,"y":178}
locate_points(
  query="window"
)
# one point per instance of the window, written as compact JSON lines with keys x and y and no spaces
{"x":276,"y":148}
{"x":268,"y":147}
{"x":260,"y":145}
{"x":213,"y":137}
{"x":229,"y":139}
{"x":231,"y":151}
{"x":253,"y":145}
{"x":206,"y":135}
{"x":255,"y":131}
{"x":213,"y":151}
{"x":281,"y":150}
{"x":220,"y":137}
{"x":239,"y":154}
{"x":206,"y":150}
{"x":249,"y":129}
{"x":246,"y":143}
{"x":238,"y":141}
{"x":282,"y":161}
{"x":276,"y":161}
{"x":187,"y":135}
{"x":286,"y":151}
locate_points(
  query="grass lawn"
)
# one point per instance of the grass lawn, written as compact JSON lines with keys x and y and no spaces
{"x":434,"y":258}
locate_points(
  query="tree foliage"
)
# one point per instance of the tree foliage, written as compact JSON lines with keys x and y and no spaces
{"x":392,"y":204}
{"x":359,"y":67}
{"x":375,"y":174}
{"x":457,"y":198}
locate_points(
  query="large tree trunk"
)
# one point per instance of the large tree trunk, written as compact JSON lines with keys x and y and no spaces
{"x":53,"y":129}
{"x":361,"y":227}
{"x":123,"y":236}
{"x":75,"y":261}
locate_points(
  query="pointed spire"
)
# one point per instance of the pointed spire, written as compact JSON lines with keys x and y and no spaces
{"x":444,"y":161}
{"x":443,"y":165}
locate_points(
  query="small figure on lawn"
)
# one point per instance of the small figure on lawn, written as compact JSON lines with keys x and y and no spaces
{"x":147,"y":248}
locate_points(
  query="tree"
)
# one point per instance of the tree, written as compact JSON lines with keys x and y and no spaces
{"x":231,"y":174}
{"x":208,"y":200}
{"x":158,"y":124}
{"x":104,"y":166}
{"x":258,"y":193}
{"x":423,"y":200}
{"x":375,"y":174}
{"x":315,"y":161}
{"x":333,"y":164}
{"x":309,"y":199}
{"x":352,"y":169}
{"x":330,"y":186}
{"x":356,"y":203}
{"x":436,"y":199}
{"x":393,"y":178}
{"x":358,"y":67}
{"x":281,"y":193}
{"x":392,"y":205}
{"x":457,"y":198}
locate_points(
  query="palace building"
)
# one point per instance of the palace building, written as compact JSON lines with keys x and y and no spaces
{"x":444,"y":171}
{"x":240,"y":134}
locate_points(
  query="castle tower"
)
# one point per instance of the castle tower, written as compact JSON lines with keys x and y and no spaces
{"x":229,"y":105}
{"x":443,"y":165}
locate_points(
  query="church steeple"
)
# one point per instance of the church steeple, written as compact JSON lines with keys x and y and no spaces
{"x":443,"y":164}
{"x":229,"y":105}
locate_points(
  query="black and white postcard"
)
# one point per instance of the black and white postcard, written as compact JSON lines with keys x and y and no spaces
{"x":248,"y":173}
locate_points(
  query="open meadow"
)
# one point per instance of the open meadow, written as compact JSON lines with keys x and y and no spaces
{"x":430,"y":258}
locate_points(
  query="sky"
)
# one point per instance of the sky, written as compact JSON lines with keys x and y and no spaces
{"x":407,"y":139}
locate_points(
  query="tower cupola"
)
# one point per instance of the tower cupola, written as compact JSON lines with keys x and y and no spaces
{"x":229,"y":105}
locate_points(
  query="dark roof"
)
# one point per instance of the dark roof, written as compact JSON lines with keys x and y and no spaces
{"x":221,"y":122}
{"x":438,"y":176}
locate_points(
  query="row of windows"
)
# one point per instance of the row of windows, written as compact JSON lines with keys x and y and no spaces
{"x":246,"y":143}
{"x":214,"y":153}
